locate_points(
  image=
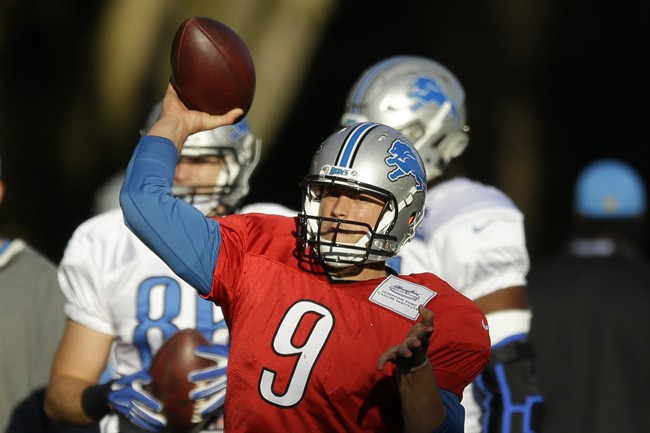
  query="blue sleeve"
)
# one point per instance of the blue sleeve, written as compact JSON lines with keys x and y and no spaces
{"x":177,"y":232}
{"x":455,"y":421}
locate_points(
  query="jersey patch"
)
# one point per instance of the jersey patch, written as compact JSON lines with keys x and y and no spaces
{"x":401,"y":296}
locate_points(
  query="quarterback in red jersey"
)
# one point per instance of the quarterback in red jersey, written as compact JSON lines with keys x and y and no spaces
{"x":324,"y":336}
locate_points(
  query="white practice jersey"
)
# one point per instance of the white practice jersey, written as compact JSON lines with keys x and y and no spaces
{"x":472,"y":236}
{"x":115,"y":285}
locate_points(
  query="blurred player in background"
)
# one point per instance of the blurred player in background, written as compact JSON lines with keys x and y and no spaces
{"x":472,"y":235}
{"x":118,"y":292}
{"x":30,"y":320}
{"x":591,"y":300}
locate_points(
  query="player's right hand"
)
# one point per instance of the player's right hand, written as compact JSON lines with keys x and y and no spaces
{"x":129,"y":399}
{"x":177,"y":122}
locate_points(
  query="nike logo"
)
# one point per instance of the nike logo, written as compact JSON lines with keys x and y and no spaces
{"x":485,"y":325}
{"x":479,"y":227}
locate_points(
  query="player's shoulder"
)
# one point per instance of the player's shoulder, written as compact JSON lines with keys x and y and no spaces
{"x":258,"y":234}
{"x":446,"y":298}
{"x":102,"y":231}
{"x":437,"y":285}
{"x":459,"y":199}
{"x":468,"y":194}
{"x":18,"y":249}
{"x":100,"y":223}
{"x":260,"y":223}
{"x":106,"y":240}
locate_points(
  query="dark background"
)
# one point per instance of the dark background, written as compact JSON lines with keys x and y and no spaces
{"x":583,"y":79}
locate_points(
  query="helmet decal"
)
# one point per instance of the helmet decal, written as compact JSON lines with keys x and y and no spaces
{"x":352,"y":142}
{"x":426,"y":91}
{"x":405,"y":162}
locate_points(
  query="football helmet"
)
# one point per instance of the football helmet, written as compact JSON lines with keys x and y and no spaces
{"x":609,"y":188}
{"x":422,"y":99}
{"x":240,"y":151}
{"x":368,"y":158}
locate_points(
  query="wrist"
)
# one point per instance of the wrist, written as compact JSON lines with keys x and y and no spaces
{"x":94,"y":401}
{"x":404,"y":371}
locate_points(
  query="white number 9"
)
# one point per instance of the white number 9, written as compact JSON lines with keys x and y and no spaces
{"x":306,"y":355}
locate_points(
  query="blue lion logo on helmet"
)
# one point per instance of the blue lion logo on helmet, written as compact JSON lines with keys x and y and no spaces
{"x":403,"y":158}
{"x":426,"y":91}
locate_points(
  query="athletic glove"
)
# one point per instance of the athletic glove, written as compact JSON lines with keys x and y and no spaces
{"x":211,"y":382}
{"x":129,"y":399}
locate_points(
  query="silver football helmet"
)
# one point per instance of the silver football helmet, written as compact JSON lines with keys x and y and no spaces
{"x":368,"y":158}
{"x":240,"y":151}
{"x":422,"y":99}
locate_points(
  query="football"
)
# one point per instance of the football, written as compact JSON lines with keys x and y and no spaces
{"x":169,"y":369}
{"x":212,"y":69}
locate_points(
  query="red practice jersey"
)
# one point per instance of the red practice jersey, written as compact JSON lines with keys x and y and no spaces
{"x":304,"y":349}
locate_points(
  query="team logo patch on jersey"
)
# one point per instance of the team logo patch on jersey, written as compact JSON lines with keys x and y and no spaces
{"x":401,"y":296}
{"x":405,"y":163}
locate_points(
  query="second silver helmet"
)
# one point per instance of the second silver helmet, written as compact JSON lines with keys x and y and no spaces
{"x":240,"y":151}
{"x":421,"y":98}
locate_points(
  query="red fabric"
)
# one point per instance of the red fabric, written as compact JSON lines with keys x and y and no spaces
{"x":317,"y":371}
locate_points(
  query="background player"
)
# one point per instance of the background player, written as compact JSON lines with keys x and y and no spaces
{"x":28,"y":332}
{"x":590,"y":300}
{"x":472,"y":234}
{"x":119,"y":292}
{"x":304,"y":296}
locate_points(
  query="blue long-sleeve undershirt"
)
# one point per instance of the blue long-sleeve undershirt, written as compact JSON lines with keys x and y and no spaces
{"x":177,"y":232}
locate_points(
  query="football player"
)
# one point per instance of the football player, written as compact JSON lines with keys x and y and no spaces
{"x":123,"y":302}
{"x":472,"y":234}
{"x":589,"y":298}
{"x":324,"y":337}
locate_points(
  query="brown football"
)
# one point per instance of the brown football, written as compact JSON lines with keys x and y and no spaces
{"x":169,"y":369}
{"x":212,"y":69}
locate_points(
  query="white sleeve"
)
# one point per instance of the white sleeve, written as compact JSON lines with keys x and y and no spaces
{"x":80,"y":278}
{"x":506,"y":323}
{"x":477,"y":253}
{"x":481,"y":253}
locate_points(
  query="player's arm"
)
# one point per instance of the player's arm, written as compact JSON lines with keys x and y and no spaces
{"x":507,"y":389}
{"x":177,"y":232}
{"x":425,"y":407}
{"x":78,"y":365}
{"x":74,"y":395}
